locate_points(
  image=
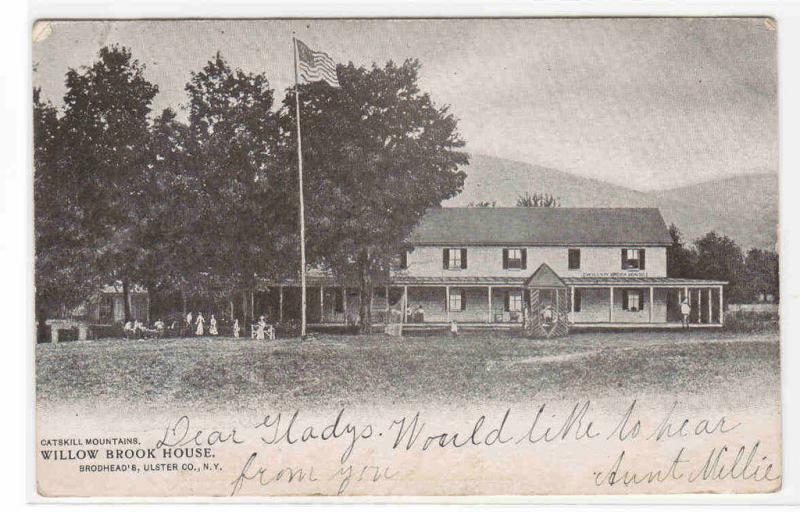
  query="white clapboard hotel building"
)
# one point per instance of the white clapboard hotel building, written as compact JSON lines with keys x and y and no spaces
{"x":479,"y":266}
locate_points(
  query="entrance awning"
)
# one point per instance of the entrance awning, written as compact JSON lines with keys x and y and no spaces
{"x":544,"y":277}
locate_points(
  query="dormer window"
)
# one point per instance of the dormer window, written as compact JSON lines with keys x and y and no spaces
{"x":515,"y":258}
{"x":632,"y":259}
{"x":454,"y":258}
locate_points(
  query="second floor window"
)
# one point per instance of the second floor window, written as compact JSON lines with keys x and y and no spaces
{"x":574,"y":259}
{"x":515,"y":258}
{"x":454,"y":258}
{"x":632,"y":259}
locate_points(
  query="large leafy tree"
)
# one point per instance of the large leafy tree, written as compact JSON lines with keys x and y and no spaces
{"x":377,"y":153}
{"x":681,"y":260}
{"x":62,"y":246}
{"x":232,"y":217}
{"x":720,"y":257}
{"x":761,"y":272}
{"x":91,"y":180}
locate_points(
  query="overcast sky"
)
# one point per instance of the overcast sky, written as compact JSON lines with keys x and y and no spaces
{"x":644,"y":103}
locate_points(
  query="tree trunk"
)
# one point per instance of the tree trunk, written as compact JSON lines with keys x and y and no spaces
{"x":365,"y":294}
{"x":245,"y":318}
{"x":126,"y":300}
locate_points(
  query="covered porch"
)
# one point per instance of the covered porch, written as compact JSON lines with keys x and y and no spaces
{"x":502,"y":302}
{"x":644,"y":301}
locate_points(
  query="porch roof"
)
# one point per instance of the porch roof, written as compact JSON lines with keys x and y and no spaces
{"x":568,"y":281}
{"x":640,"y":281}
{"x":458,"y":280}
{"x":515,"y":281}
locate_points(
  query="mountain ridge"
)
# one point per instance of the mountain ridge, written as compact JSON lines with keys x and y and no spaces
{"x":743,"y":207}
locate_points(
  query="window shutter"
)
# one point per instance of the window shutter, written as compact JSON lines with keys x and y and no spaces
{"x":524,"y":258}
{"x":641,"y":259}
{"x":404,"y":259}
{"x":625,"y":299}
{"x":577,"y":305}
{"x":445,"y":258}
{"x":463,"y":258}
{"x":623,"y":259}
{"x":463,"y":299}
{"x":505,"y":259}
{"x":507,"y":304}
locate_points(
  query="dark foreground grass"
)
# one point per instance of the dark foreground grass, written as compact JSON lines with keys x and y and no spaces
{"x":336,"y":370}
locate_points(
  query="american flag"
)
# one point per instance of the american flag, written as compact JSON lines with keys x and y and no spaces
{"x":314,"y":66}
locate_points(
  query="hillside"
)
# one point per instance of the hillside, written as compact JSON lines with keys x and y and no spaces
{"x":743,"y":207}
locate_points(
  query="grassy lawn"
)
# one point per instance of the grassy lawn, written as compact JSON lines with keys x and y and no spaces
{"x":336,"y":370}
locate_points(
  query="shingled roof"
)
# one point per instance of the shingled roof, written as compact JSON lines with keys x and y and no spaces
{"x":542,"y":227}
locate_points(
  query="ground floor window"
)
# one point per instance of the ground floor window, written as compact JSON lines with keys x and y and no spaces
{"x":632,"y":300}
{"x":457,"y":300}
{"x":514,"y":301}
{"x":576,"y":306}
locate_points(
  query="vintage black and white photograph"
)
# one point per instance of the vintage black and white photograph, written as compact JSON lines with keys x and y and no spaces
{"x":406,"y":257}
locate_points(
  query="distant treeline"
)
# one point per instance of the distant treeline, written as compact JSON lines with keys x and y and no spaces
{"x":752,"y":276}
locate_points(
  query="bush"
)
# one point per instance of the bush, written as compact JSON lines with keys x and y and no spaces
{"x":752,"y":322}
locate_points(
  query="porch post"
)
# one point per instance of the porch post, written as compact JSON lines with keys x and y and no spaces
{"x":280,"y":304}
{"x":386,"y":319}
{"x":610,"y":304}
{"x":710,"y":312}
{"x":405,"y":303}
{"x":489,"y":296}
{"x":447,"y":302}
{"x":321,"y":304}
{"x":721,"y":306}
{"x":344,"y":303}
{"x":371,"y":296}
{"x":651,"y":305}
{"x":571,"y":303}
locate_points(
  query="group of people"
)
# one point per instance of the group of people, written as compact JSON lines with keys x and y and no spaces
{"x":261,"y":330}
{"x":199,"y":325}
{"x":415,"y":314}
{"x":137,"y":329}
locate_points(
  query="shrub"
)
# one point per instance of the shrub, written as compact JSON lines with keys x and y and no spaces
{"x":752,"y":322}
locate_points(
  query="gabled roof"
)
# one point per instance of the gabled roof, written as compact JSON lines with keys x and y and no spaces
{"x":544,"y":277}
{"x":542,"y":227}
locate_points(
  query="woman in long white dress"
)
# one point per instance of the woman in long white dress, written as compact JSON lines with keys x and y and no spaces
{"x":212,"y":326}
{"x":200,"y":324}
{"x":262,"y":324}
{"x":236,"y":329}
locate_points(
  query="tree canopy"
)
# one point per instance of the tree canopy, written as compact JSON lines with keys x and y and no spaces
{"x":377,"y":154}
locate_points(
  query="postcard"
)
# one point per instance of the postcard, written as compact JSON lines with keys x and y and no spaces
{"x":406,"y":257}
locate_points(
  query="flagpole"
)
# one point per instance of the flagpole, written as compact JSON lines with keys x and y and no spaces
{"x":302,"y":206}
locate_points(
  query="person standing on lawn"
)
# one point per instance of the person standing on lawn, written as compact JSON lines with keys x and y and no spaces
{"x":453,"y":328}
{"x":260,"y":328}
{"x":200,"y":324}
{"x":188,"y":326}
{"x":236,"y":328}
{"x":212,"y":326}
{"x":686,"y":310}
